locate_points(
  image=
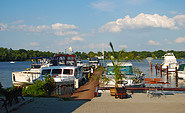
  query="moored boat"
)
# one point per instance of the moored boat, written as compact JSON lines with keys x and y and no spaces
{"x":32,"y":73}
{"x":125,"y":69}
{"x":64,"y":71}
{"x":170,"y":61}
{"x":12,"y":62}
{"x":181,"y":71}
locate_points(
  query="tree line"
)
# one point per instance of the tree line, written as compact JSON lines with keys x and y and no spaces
{"x":23,"y":55}
{"x":132,"y":55}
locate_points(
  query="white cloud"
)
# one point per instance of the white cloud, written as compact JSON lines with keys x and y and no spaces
{"x":19,"y":27}
{"x":151,"y":42}
{"x":42,"y":28}
{"x":166,"y":40}
{"x":70,"y":40}
{"x":60,"y":27}
{"x":180,"y":19}
{"x":59,"y":33}
{"x":34,"y":44}
{"x":103,"y":6}
{"x":140,"y":21}
{"x":123,"y":46}
{"x":77,"y":38}
{"x":57,"y":29}
{"x":3,"y":26}
{"x":27,"y":28}
{"x":180,"y":40}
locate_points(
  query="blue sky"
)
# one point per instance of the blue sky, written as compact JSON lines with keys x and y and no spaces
{"x":89,"y":25}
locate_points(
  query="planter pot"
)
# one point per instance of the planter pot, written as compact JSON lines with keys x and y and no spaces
{"x":112,"y":91}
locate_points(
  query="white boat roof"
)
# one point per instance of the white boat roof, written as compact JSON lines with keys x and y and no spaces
{"x":169,"y":57}
{"x":60,"y":67}
{"x":120,"y":63}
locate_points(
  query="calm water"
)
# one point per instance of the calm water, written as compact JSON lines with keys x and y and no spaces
{"x":6,"y":69}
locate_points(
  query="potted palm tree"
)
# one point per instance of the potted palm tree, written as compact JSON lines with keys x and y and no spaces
{"x":118,"y":76}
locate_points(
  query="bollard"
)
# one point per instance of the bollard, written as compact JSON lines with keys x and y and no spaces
{"x":167,"y":72}
{"x":156,"y":68}
{"x":161,"y":70}
{"x":176,"y":77}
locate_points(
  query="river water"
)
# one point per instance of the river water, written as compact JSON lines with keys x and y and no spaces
{"x":6,"y":69}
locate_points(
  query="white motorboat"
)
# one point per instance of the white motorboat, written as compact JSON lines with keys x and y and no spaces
{"x":94,"y":62}
{"x":29,"y":75}
{"x":125,"y":68}
{"x":65,"y":71}
{"x":79,"y":63}
{"x":170,"y":61}
{"x":181,"y":71}
{"x":12,"y":62}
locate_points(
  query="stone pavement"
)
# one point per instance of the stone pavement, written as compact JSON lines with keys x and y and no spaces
{"x":49,"y":105}
{"x":137,"y":103}
{"x":16,"y":105}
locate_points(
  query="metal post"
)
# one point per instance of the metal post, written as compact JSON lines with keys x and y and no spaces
{"x":167,"y":72}
{"x":161,"y":70}
{"x":176,"y":77}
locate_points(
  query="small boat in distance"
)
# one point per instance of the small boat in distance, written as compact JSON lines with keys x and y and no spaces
{"x":12,"y":62}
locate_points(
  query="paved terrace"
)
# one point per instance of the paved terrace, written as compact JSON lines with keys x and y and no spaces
{"x":137,"y":103}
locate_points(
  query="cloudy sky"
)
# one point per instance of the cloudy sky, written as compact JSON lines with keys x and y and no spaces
{"x":89,"y":25}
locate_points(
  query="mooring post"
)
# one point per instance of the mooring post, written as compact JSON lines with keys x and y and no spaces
{"x":64,"y":88}
{"x":151,"y":67}
{"x":156,"y":68}
{"x":167,"y":72}
{"x":161,"y":70}
{"x":176,"y":76}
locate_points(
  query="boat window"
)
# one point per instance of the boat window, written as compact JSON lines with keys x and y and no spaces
{"x":68,"y":71}
{"x":62,"y":58}
{"x":46,"y":72}
{"x":57,"y":71}
{"x":54,"y":62}
{"x":70,"y":63}
{"x":35,"y":66}
{"x":70,"y":58}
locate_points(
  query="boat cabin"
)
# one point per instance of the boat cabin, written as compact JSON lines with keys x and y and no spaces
{"x":125,"y":68}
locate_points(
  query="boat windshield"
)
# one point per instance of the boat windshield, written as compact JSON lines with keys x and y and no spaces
{"x":68,"y":71}
{"x":56,"y":71}
{"x":46,"y":72}
{"x":123,"y":69}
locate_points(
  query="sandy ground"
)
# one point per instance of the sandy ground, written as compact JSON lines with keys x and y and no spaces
{"x":137,"y":103}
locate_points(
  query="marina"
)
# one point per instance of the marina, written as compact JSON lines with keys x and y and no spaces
{"x":103,"y":56}
{"x":92,"y":90}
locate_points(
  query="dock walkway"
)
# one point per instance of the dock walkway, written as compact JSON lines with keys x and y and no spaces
{"x":86,"y":92}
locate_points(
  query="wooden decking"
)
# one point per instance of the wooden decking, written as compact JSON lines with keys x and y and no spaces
{"x":86,"y":92}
